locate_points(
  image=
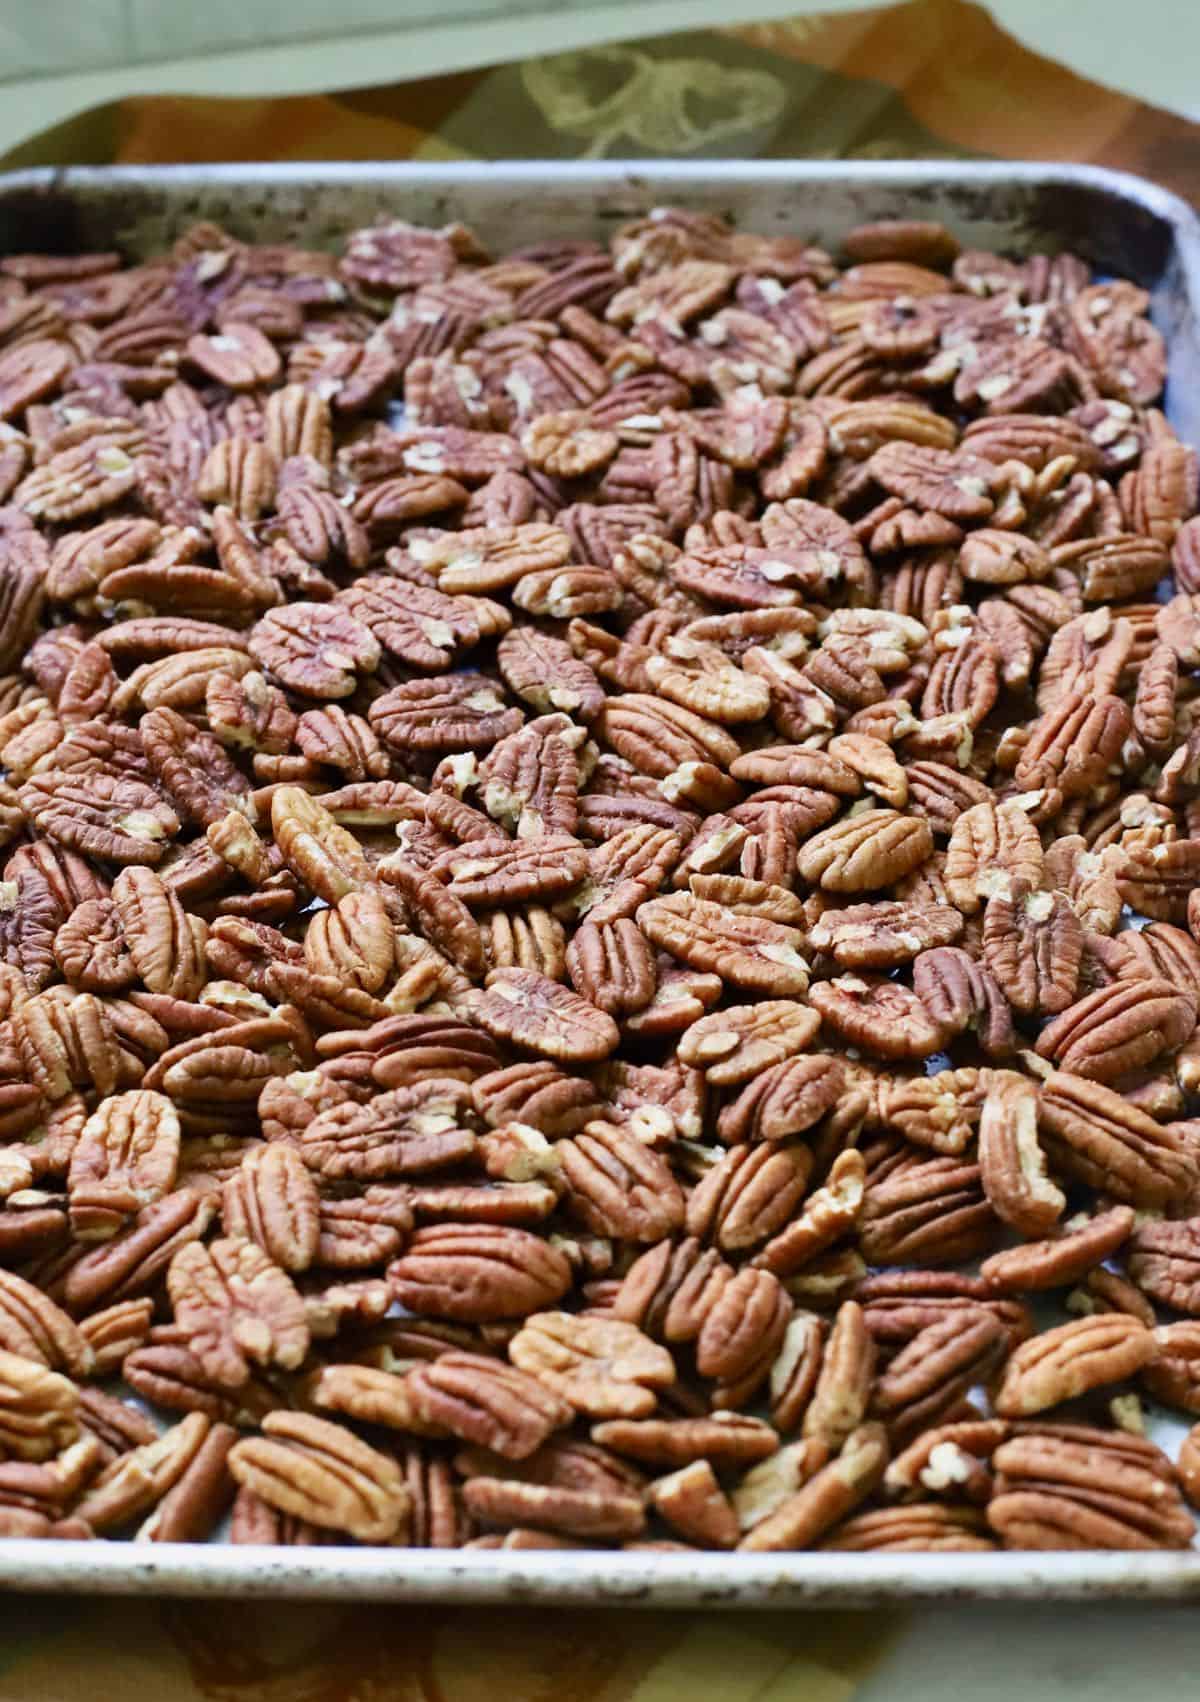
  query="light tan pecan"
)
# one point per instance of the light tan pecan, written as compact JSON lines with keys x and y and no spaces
{"x":1069,"y":1361}
{"x":602,"y":1367}
{"x":733,"y":1045}
{"x":238,"y":1307}
{"x":133,"y":1483}
{"x":353,"y":941}
{"x":126,"y":1158}
{"x":842,"y":1390}
{"x":1011,"y":1161}
{"x":116,"y":1331}
{"x":311,"y":1469}
{"x":492,"y":558}
{"x":693,"y":1503}
{"x":488,"y":1403}
{"x":991,"y":845}
{"x":323,"y":854}
{"x":272,"y":1199}
{"x":38,"y":1409}
{"x":1156,"y":877}
{"x":865,"y":852}
{"x":828,"y":1496}
{"x":936,"y":1111}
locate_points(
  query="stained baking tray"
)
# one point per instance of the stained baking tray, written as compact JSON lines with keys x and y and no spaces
{"x":1120,"y":224}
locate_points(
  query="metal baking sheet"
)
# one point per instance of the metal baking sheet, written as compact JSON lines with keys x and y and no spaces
{"x":1120,"y":224}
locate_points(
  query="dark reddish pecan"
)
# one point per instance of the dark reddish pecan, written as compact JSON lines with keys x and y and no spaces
{"x":476,"y":1273}
{"x":493,"y":1405}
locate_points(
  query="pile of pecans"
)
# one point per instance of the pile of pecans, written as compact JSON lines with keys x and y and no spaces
{"x":571,"y":825}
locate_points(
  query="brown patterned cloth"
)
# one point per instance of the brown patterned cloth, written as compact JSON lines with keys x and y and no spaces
{"x":931,"y":78}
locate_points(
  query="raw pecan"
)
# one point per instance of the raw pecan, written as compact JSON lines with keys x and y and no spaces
{"x":238,"y":1308}
{"x":408,"y":1130}
{"x":492,"y":1405}
{"x":1116,"y":1029}
{"x":1097,"y":1136}
{"x":731,"y":1046}
{"x":1172,"y":1375}
{"x":474,"y":1273}
{"x":313,"y":1470}
{"x":528,"y":1010}
{"x":619,"y":1186}
{"x":748,"y":1196}
{"x":602,"y":1367}
{"x":899,"y":1530}
{"x":126,"y":1158}
{"x":842,"y":1389}
{"x":930,"y":1376}
{"x":39,"y":1409}
{"x":933,"y":1212}
{"x":746,"y":951}
{"x":432,"y":717}
{"x":272,"y":1200}
{"x":865,"y":852}
{"x":835,"y":1490}
{"x":727,"y":1439}
{"x":884,"y":935}
{"x":1072,"y":1487}
{"x":1070,"y":1360}
{"x":115,"y":818}
{"x":1063,"y":1259}
{"x":1033,"y":945}
{"x":315,"y":649}
{"x":1163,"y":1262}
{"x":991,"y":845}
{"x":883,"y":1017}
{"x":612,"y":966}
{"x":1011,"y":1162}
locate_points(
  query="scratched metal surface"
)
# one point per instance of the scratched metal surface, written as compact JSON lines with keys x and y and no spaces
{"x":1117,"y":222}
